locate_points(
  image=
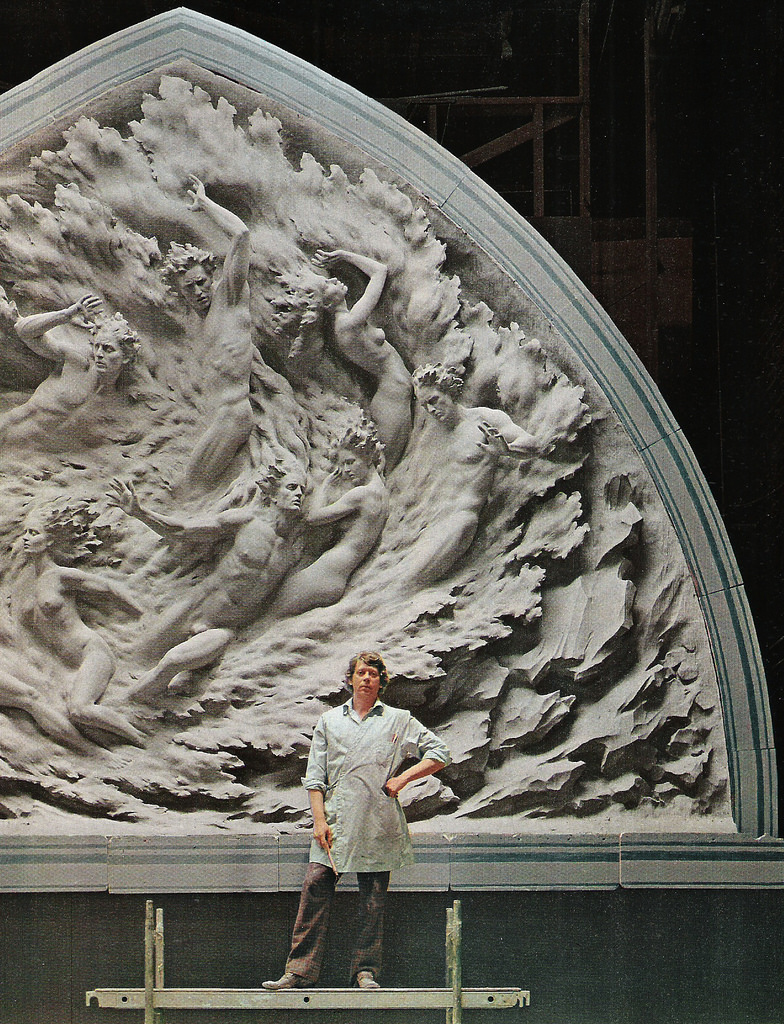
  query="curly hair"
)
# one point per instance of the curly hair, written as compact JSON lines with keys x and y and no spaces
{"x":437,"y":375}
{"x":271,"y":479}
{"x":119,"y":328}
{"x":372,"y":659}
{"x":362,"y":439}
{"x":181,"y":257}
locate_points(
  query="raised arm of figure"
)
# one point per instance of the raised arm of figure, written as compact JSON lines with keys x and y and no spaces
{"x":32,"y":330}
{"x":504,"y":437}
{"x":345,"y":505}
{"x":237,"y":262}
{"x":377,"y":277}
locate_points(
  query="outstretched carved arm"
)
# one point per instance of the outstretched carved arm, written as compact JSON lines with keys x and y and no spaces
{"x":503,"y":436}
{"x":32,"y":329}
{"x":237,"y":262}
{"x":200,"y":531}
{"x":93,"y":585}
{"x":322,"y":514}
{"x":123,"y":496}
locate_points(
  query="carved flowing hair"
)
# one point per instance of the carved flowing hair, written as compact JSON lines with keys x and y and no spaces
{"x":372,"y":659}
{"x":72,"y":533}
{"x":181,"y":257}
{"x":119,"y":328}
{"x":362,"y":439}
{"x":302,"y":309}
{"x":436,"y":375}
{"x":270,"y":482}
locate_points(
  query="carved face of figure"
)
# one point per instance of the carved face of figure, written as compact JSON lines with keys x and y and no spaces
{"x":9,"y":313}
{"x":290,"y":493}
{"x":438,"y":404}
{"x":107,"y":353}
{"x":35,"y":537}
{"x":334,"y":293}
{"x":366,"y":682}
{"x":351,"y":466}
{"x":195,"y":286}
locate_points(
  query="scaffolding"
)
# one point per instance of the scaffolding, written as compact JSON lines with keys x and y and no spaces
{"x":155,"y":998}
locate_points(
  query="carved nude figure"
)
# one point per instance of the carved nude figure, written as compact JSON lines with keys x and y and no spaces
{"x":87,"y":365}
{"x":222,"y":301}
{"x":367,"y":347}
{"x":264,"y":547}
{"x":45,"y":601}
{"x":468,"y":443}
{"x":353,"y":497}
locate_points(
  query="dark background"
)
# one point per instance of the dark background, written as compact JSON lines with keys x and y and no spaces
{"x":713,"y":342}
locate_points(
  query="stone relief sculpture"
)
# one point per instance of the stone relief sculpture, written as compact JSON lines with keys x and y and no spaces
{"x":402,"y":456}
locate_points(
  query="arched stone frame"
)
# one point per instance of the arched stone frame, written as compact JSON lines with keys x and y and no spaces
{"x":529,"y":261}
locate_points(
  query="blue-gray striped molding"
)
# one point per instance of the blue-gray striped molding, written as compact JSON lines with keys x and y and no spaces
{"x":534,"y":862}
{"x":701,"y":862}
{"x":528,"y":261}
{"x":193,"y":864}
{"x":54,"y":864}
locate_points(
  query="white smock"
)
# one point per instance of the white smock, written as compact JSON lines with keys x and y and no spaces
{"x":351,"y":758}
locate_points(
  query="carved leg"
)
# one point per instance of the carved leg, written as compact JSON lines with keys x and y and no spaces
{"x":15,"y":694}
{"x":195,"y":652}
{"x":92,"y":679}
{"x":220,"y":443}
{"x":439,"y":547}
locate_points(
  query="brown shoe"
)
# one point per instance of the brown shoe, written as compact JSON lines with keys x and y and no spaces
{"x":288,"y":980}
{"x":365,"y":979}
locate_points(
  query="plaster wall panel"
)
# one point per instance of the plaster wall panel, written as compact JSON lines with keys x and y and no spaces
{"x":52,"y":863}
{"x":524,"y":862}
{"x":701,"y":862}
{"x":195,"y":864}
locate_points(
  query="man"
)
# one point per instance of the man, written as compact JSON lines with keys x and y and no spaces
{"x":223,"y":303}
{"x":353,"y":780}
{"x":468,"y":445}
{"x":263,"y":545}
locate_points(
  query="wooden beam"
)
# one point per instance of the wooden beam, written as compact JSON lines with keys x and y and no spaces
{"x":584,"y":43}
{"x":517,"y":137}
{"x":538,"y":124}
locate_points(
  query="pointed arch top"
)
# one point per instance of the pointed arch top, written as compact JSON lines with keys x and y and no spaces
{"x":529,"y":261}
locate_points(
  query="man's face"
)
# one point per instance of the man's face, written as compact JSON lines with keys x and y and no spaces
{"x":195,"y":286}
{"x":366,"y":682}
{"x":351,"y":466}
{"x":290,"y":493}
{"x":437,"y":404}
{"x":107,"y":354}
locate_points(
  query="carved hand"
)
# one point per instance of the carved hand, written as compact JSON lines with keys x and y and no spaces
{"x":85,"y":310}
{"x":197,"y":193}
{"x":123,"y":495}
{"x":494,"y":441}
{"x":325,"y":258}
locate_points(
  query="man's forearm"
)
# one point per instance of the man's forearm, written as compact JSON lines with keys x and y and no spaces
{"x":427,"y":766}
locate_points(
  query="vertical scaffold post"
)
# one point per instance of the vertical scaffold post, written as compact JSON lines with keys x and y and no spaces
{"x":159,"y":977}
{"x":149,"y":963}
{"x":454,"y":962}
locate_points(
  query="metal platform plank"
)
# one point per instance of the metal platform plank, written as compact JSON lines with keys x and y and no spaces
{"x":312,"y":998}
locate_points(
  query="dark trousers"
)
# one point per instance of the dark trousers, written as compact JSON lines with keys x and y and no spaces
{"x":309,"y":941}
